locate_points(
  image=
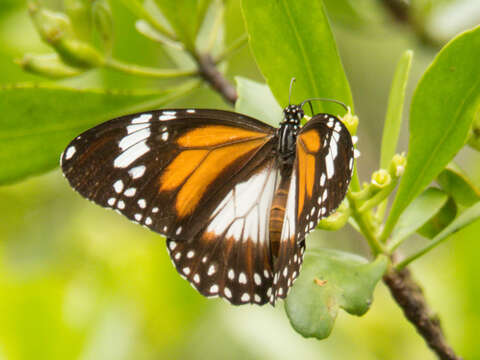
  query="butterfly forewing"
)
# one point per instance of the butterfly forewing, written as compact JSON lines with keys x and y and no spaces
{"x":324,"y":167}
{"x":163,"y":169}
{"x":321,"y":173}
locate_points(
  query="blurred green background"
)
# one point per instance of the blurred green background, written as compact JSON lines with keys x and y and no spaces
{"x":80,"y":282}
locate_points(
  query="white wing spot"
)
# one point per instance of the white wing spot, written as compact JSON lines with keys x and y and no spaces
{"x":165,"y":228}
{"x":179,"y":230}
{"x":354,"y":139}
{"x":121,"y":205}
{"x":280,"y":291}
{"x":166,"y":117}
{"x":165,"y":136}
{"x":325,"y":195}
{"x":191,"y":111}
{"x":138,"y":217}
{"x":137,"y":171}
{"x":329,"y":165}
{"x":257,"y":279}
{"x":257,"y":298}
{"x":178,"y":255}
{"x":134,"y":138}
{"x":266,"y":274}
{"x":142,"y":119}
{"x":356,"y":153}
{"x":172,"y":245}
{"x":196,"y":278}
{"x":70,"y":152}
{"x":142,"y":203}
{"x":190,"y":254}
{"x":227,"y":292}
{"x":130,"y":155}
{"x":130,"y":192}
{"x":211,"y":270}
{"x":118,"y":186}
{"x":204,"y":259}
{"x":111,"y":201}
{"x":148,"y":221}
{"x":214,"y":289}
{"x":269,"y":292}
{"x":231,"y":274}
{"x":186,"y":270}
{"x":285,"y":272}
{"x":134,"y":128}
{"x":169,"y":112}
{"x":155,"y":210}
{"x":245,"y":297}
{"x":242,"y":279}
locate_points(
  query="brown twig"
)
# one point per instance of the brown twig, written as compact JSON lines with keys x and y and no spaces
{"x":409,"y":296}
{"x":217,"y":81}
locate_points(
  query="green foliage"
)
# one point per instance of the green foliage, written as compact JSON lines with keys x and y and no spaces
{"x":288,"y":39}
{"x":287,"y":44}
{"x":443,"y":108}
{"x":38,"y":121}
{"x":421,"y":210}
{"x":331,"y":280}
{"x":256,"y":100}
{"x":393,"y":119}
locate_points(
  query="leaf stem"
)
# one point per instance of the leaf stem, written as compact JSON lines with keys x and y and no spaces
{"x":147,"y":71}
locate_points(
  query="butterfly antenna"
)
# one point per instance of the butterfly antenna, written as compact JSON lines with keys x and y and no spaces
{"x":327,"y":100}
{"x":290,"y":91}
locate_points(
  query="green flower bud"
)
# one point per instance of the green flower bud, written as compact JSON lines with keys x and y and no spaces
{"x":79,"y":13}
{"x":337,"y":220}
{"x":52,"y":26}
{"x":397,"y":165}
{"x":350,"y":121}
{"x":78,"y":53}
{"x":380,"y":179}
{"x":47,"y":65}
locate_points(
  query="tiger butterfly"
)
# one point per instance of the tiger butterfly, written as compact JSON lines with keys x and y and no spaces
{"x":234,"y":196}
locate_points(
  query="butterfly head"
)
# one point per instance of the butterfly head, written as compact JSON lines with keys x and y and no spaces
{"x":293,"y":114}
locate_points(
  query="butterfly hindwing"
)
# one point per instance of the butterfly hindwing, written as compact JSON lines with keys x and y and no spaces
{"x":231,"y":256}
{"x":163,"y":169}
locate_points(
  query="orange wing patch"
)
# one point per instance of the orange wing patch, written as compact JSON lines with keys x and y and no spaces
{"x":308,"y":143}
{"x":194,"y":170}
{"x":216,"y":135}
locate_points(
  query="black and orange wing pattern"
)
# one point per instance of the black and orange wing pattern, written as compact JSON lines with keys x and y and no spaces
{"x":321,"y":174}
{"x":203,"y":178}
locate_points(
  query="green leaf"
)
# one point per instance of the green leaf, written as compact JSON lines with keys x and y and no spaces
{"x":256,"y":100}
{"x":417,"y":214}
{"x":38,"y":121}
{"x":185,"y":17}
{"x":393,"y":120}
{"x":443,"y":107}
{"x":464,"y":219}
{"x":331,"y":280}
{"x":294,"y":39}
{"x":458,"y":186}
{"x":440,"y":221}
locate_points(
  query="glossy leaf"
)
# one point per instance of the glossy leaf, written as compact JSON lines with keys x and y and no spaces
{"x":294,"y":39}
{"x":440,"y":221}
{"x":256,"y":100}
{"x":331,"y":280}
{"x":444,"y":105}
{"x":393,"y":120}
{"x":463,"y":220}
{"x":39,"y":120}
{"x":458,"y":186}
{"x":418,"y":213}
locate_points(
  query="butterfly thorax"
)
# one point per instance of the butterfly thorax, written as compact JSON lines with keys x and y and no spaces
{"x":287,"y":133}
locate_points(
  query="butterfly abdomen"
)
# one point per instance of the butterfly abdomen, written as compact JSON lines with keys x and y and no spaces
{"x":277,"y":214}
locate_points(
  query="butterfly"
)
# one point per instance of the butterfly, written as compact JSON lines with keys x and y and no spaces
{"x":234,"y":196}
